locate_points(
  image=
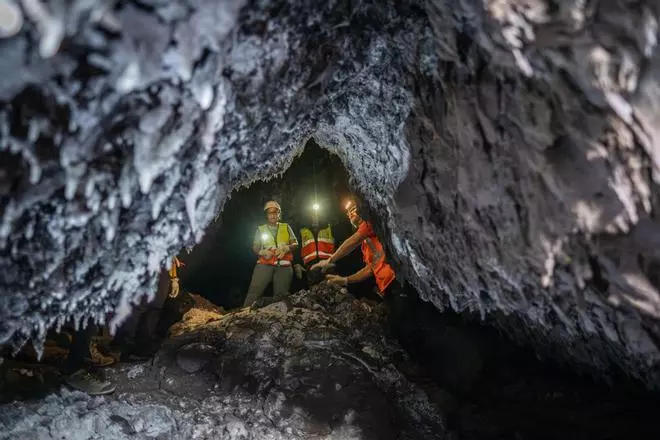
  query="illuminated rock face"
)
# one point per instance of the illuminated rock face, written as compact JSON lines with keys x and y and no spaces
{"x":509,"y":150}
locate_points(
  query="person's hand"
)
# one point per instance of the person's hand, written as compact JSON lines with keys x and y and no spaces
{"x":266,"y":253}
{"x":336,"y":279}
{"x":282,"y":250}
{"x":322,"y":265}
{"x":174,"y":287}
{"x":298,"y":269}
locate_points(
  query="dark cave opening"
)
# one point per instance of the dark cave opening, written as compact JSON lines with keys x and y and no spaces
{"x":220,"y":266}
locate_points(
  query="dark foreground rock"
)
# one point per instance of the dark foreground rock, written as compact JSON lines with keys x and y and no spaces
{"x":509,"y":149}
{"x":316,"y":366}
{"x":320,"y":365}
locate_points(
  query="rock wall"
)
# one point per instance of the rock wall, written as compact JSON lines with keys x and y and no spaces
{"x":508,"y":148}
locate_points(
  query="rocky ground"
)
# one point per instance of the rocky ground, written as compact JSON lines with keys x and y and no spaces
{"x":323,"y":365}
{"x":314,"y":366}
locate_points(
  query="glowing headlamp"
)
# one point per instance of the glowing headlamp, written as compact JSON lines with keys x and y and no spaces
{"x":316,"y":207}
{"x":264,"y":237}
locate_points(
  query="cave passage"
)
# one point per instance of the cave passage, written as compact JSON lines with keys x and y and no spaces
{"x":220,"y":266}
{"x":484,"y":385}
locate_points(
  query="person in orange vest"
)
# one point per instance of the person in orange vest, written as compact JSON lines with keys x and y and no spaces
{"x":316,"y":244}
{"x":274,"y":243}
{"x":373,"y":255}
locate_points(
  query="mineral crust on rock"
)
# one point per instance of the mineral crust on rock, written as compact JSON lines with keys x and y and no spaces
{"x":508,"y":151}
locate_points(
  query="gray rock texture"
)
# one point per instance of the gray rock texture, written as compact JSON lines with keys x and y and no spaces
{"x":509,"y":150}
{"x":316,"y":366}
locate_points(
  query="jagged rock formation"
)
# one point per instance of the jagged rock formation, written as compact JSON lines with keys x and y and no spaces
{"x":509,"y":149}
{"x":316,"y":366}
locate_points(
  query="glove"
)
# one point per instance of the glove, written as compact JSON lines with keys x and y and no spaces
{"x":298,"y":269}
{"x":336,"y":279}
{"x":266,"y":253}
{"x":282,"y":250}
{"x":174,"y":287}
{"x":323,"y":265}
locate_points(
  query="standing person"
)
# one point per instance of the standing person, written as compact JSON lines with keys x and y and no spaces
{"x":317,"y":244}
{"x":76,"y":373}
{"x":138,"y":336}
{"x":274,"y":243}
{"x":373,"y":255}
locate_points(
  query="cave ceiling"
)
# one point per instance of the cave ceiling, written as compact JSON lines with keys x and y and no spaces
{"x":509,"y":148}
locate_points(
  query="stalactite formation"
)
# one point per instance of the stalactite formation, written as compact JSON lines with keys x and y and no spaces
{"x":507,"y":149}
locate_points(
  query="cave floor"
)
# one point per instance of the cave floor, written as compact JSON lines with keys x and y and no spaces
{"x":518,"y":399}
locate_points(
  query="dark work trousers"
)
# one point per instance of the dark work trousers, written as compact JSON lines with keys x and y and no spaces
{"x":142,"y":324}
{"x":263,"y":274}
{"x":399,"y":306}
{"x":79,"y":350}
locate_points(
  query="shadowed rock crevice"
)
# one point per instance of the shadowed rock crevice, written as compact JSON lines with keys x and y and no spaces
{"x":510,"y":153}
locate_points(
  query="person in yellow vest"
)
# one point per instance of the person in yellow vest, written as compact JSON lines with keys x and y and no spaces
{"x":317,"y":244}
{"x":274,"y":243}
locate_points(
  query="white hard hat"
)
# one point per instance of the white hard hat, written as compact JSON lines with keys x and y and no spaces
{"x":272,"y":204}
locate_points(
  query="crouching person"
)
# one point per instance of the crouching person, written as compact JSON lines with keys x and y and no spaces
{"x":373,"y":255}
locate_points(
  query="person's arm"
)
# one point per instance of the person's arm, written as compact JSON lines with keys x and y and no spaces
{"x":346,"y":247}
{"x":257,"y":248}
{"x":256,"y":242}
{"x":360,"y":275}
{"x":293,"y":241}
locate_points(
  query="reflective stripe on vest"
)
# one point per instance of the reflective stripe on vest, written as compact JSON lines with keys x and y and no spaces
{"x":382,"y":271}
{"x":377,"y":255}
{"x":270,"y":242}
{"x":320,"y":248}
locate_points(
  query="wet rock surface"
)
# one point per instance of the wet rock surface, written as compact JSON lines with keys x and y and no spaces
{"x":509,"y":152}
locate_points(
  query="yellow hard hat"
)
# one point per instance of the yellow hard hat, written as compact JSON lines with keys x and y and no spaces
{"x":272,"y":204}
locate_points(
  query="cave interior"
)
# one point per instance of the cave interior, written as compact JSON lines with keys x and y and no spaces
{"x":487,"y":385}
{"x":507,"y":153}
{"x":220,"y":266}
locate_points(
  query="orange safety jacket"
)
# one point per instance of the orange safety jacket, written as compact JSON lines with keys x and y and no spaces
{"x":270,"y":242}
{"x":373,"y":254}
{"x":320,"y":247}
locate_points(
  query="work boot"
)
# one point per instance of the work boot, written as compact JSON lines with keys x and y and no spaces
{"x":83,"y":380}
{"x":97,"y":358}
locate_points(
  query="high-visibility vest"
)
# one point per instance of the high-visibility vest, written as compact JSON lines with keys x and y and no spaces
{"x":270,"y":242}
{"x":320,"y":248}
{"x":373,"y":254}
